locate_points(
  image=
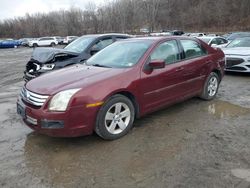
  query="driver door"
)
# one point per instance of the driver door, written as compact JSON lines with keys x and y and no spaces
{"x":164,"y":86}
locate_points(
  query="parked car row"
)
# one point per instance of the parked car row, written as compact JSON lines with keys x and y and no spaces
{"x":116,"y":80}
{"x":36,"y":42}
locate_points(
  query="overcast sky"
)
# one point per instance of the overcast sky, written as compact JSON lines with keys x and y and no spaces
{"x":16,"y":8}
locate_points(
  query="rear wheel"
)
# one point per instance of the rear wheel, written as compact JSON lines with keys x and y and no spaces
{"x":210,"y":87}
{"x":115,"y":118}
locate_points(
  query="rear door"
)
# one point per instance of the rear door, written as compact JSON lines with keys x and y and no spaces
{"x":195,"y":62}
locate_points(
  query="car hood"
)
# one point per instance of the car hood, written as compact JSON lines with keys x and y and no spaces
{"x":45,"y":55}
{"x":242,"y":51}
{"x":76,"y":76}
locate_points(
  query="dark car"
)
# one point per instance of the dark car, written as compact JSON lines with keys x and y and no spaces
{"x":128,"y":79}
{"x":47,"y":59}
{"x":177,"y":32}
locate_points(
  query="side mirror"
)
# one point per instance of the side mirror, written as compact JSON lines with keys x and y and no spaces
{"x":157,"y":64}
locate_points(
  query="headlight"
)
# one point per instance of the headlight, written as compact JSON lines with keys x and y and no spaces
{"x":48,"y":66}
{"x":60,"y":101}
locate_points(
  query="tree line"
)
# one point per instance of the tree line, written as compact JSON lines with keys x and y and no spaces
{"x":129,"y":16}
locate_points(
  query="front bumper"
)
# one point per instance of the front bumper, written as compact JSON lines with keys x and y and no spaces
{"x":76,"y":121}
{"x":235,"y":63}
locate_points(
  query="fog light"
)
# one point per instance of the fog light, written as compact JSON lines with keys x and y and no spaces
{"x":52,"y":124}
{"x":31,"y":120}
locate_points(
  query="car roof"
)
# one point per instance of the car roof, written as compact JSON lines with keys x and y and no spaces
{"x":209,"y":37}
{"x":159,"y":38}
{"x":106,"y":34}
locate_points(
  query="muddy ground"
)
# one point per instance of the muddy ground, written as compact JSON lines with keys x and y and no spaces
{"x":192,"y":144}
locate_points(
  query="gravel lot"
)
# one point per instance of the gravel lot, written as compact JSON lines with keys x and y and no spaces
{"x":191,"y":144}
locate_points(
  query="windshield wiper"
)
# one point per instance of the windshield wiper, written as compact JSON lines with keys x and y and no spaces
{"x":99,"y":65}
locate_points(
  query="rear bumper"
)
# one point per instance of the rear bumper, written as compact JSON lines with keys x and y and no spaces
{"x":76,"y":121}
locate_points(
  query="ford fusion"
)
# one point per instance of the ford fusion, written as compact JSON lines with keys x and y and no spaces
{"x":238,"y":55}
{"x":126,"y":80}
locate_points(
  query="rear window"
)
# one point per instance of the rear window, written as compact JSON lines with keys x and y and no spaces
{"x":192,"y":49}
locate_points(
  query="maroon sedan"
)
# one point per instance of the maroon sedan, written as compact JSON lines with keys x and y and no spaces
{"x":126,"y":80}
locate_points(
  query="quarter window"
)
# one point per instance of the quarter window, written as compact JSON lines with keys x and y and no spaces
{"x":167,"y":51}
{"x":192,"y":49}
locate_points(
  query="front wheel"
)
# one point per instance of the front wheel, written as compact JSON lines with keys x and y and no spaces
{"x":210,"y":87}
{"x":115,"y":118}
{"x":52,"y":44}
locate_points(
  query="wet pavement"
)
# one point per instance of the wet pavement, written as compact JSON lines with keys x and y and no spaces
{"x":192,"y":144}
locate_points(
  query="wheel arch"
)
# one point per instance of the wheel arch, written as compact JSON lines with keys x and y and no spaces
{"x":130,"y":96}
{"x":218,"y":72}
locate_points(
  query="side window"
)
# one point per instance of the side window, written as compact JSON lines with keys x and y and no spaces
{"x":192,"y":49}
{"x":222,"y":41}
{"x":103,"y":43}
{"x":167,"y":51}
{"x":214,"y":41}
{"x":43,"y":39}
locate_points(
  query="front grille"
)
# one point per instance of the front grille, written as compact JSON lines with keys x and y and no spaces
{"x":237,"y":68}
{"x":233,"y":61}
{"x":33,"y":98}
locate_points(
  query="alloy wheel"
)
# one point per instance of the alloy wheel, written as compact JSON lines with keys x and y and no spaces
{"x":117,"y":118}
{"x":212,"y":86}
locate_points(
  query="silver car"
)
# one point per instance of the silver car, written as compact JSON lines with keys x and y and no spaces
{"x":238,"y":55}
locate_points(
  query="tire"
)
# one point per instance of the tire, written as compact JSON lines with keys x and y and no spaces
{"x":35,"y":45}
{"x":210,"y":87}
{"x":115,"y":118}
{"x":52,"y":44}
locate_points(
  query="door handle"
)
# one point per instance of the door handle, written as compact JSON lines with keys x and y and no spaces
{"x":179,"y":69}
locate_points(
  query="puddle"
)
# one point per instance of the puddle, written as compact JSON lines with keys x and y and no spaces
{"x":242,"y":174}
{"x":224,"y":109}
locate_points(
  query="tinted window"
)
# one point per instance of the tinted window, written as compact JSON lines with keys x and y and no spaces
{"x":167,"y":51}
{"x":42,"y":39}
{"x":221,"y":41}
{"x":192,"y":48}
{"x":214,"y":41}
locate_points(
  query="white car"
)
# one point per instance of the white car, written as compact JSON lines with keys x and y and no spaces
{"x":218,"y":42}
{"x":44,"y":41}
{"x":237,"y":55}
{"x":69,"y":39}
{"x":197,"y":34}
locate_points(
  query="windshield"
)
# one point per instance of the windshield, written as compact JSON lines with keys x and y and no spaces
{"x":238,"y":35}
{"x":240,"y":42}
{"x":79,"y":45}
{"x":120,"y":54}
{"x":206,"y":40}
